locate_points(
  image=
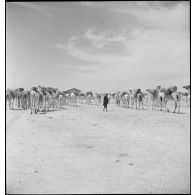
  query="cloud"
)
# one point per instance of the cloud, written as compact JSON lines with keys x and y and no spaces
{"x":87,"y":3}
{"x":105,"y":38}
{"x":157,"y":14}
{"x":101,"y":48}
{"x":36,"y":7}
{"x":159,"y":51}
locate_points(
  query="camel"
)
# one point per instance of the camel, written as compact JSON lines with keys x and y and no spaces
{"x":59,"y":98}
{"x":188,"y":88}
{"x":61,"y":101}
{"x":137,"y":98}
{"x":34,"y":100}
{"x":41,"y":102}
{"x":125,"y":98}
{"x":98,"y":98}
{"x":18,"y":96}
{"x":25,"y":99}
{"x":186,"y":99}
{"x":68,"y":99}
{"x":47,"y":98}
{"x":171,"y":93}
{"x":10,"y":97}
{"x":145,"y":98}
{"x":54,"y":97}
{"x":81,"y":97}
{"x":89,"y":96}
{"x":118,"y":98}
{"x":74,"y":98}
{"x":109,"y":97}
{"x":154,"y":96}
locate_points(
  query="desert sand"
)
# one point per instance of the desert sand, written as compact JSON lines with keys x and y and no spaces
{"x":86,"y":150}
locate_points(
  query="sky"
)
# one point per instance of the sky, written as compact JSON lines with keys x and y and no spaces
{"x":98,"y":46}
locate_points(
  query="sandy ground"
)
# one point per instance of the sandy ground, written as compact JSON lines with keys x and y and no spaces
{"x":86,"y":150}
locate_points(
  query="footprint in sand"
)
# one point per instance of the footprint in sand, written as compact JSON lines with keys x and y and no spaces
{"x":123,"y":154}
{"x":89,"y":146}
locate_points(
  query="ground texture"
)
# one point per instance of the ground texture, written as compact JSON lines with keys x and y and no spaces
{"x":86,"y":150}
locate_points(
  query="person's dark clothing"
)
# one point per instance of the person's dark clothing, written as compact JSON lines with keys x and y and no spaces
{"x":105,"y":103}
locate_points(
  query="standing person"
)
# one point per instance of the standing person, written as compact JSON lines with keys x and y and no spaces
{"x":105,"y":102}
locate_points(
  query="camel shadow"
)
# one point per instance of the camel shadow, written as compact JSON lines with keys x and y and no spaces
{"x":54,"y":110}
{"x":45,"y":112}
{"x":179,"y":113}
{"x":140,"y":109}
{"x":42,"y":112}
{"x":164,"y":111}
{"x":17,"y":109}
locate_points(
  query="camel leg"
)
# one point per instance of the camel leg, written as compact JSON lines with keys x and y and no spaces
{"x":12,"y":105}
{"x":153,"y":106}
{"x":178,"y":107}
{"x":175,"y":107}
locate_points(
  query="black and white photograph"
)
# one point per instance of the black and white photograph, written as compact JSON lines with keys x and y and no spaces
{"x":98,"y":97}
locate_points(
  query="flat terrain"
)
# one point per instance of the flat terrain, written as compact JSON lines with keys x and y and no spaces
{"x":86,"y":150}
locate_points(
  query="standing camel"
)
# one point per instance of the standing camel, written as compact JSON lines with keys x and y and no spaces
{"x":171,"y":94}
{"x":138,"y":98}
{"x":188,"y":88}
{"x":34,"y":100}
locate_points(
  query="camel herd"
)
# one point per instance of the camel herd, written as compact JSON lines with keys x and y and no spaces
{"x":39,"y":99}
{"x":158,"y":96}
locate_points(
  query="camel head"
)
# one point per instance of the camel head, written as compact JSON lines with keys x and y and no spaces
{"x":89,"y":93}
{"x":20,"y":89}
{"x":185,"y":94}
{"x":34,"y":89}
{"x":152,"y":91}
{"x":158,"y":87}
{"x":187,"y":87}
{"x":139,"y":91}
{"x":172,"y":89}
{"x":148,"y":90}
{"x":39,"y":88}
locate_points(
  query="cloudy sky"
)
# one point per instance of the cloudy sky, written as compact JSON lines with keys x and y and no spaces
{"x":98,"y":46}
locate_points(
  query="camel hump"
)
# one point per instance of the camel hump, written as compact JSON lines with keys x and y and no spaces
{"x":137,"y":91}
{"x":172,"y":89}
{"x":124,"y":93}
{"x":34,"y":89}
{"x":20,"y":89}
{"x":44,"y":92}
